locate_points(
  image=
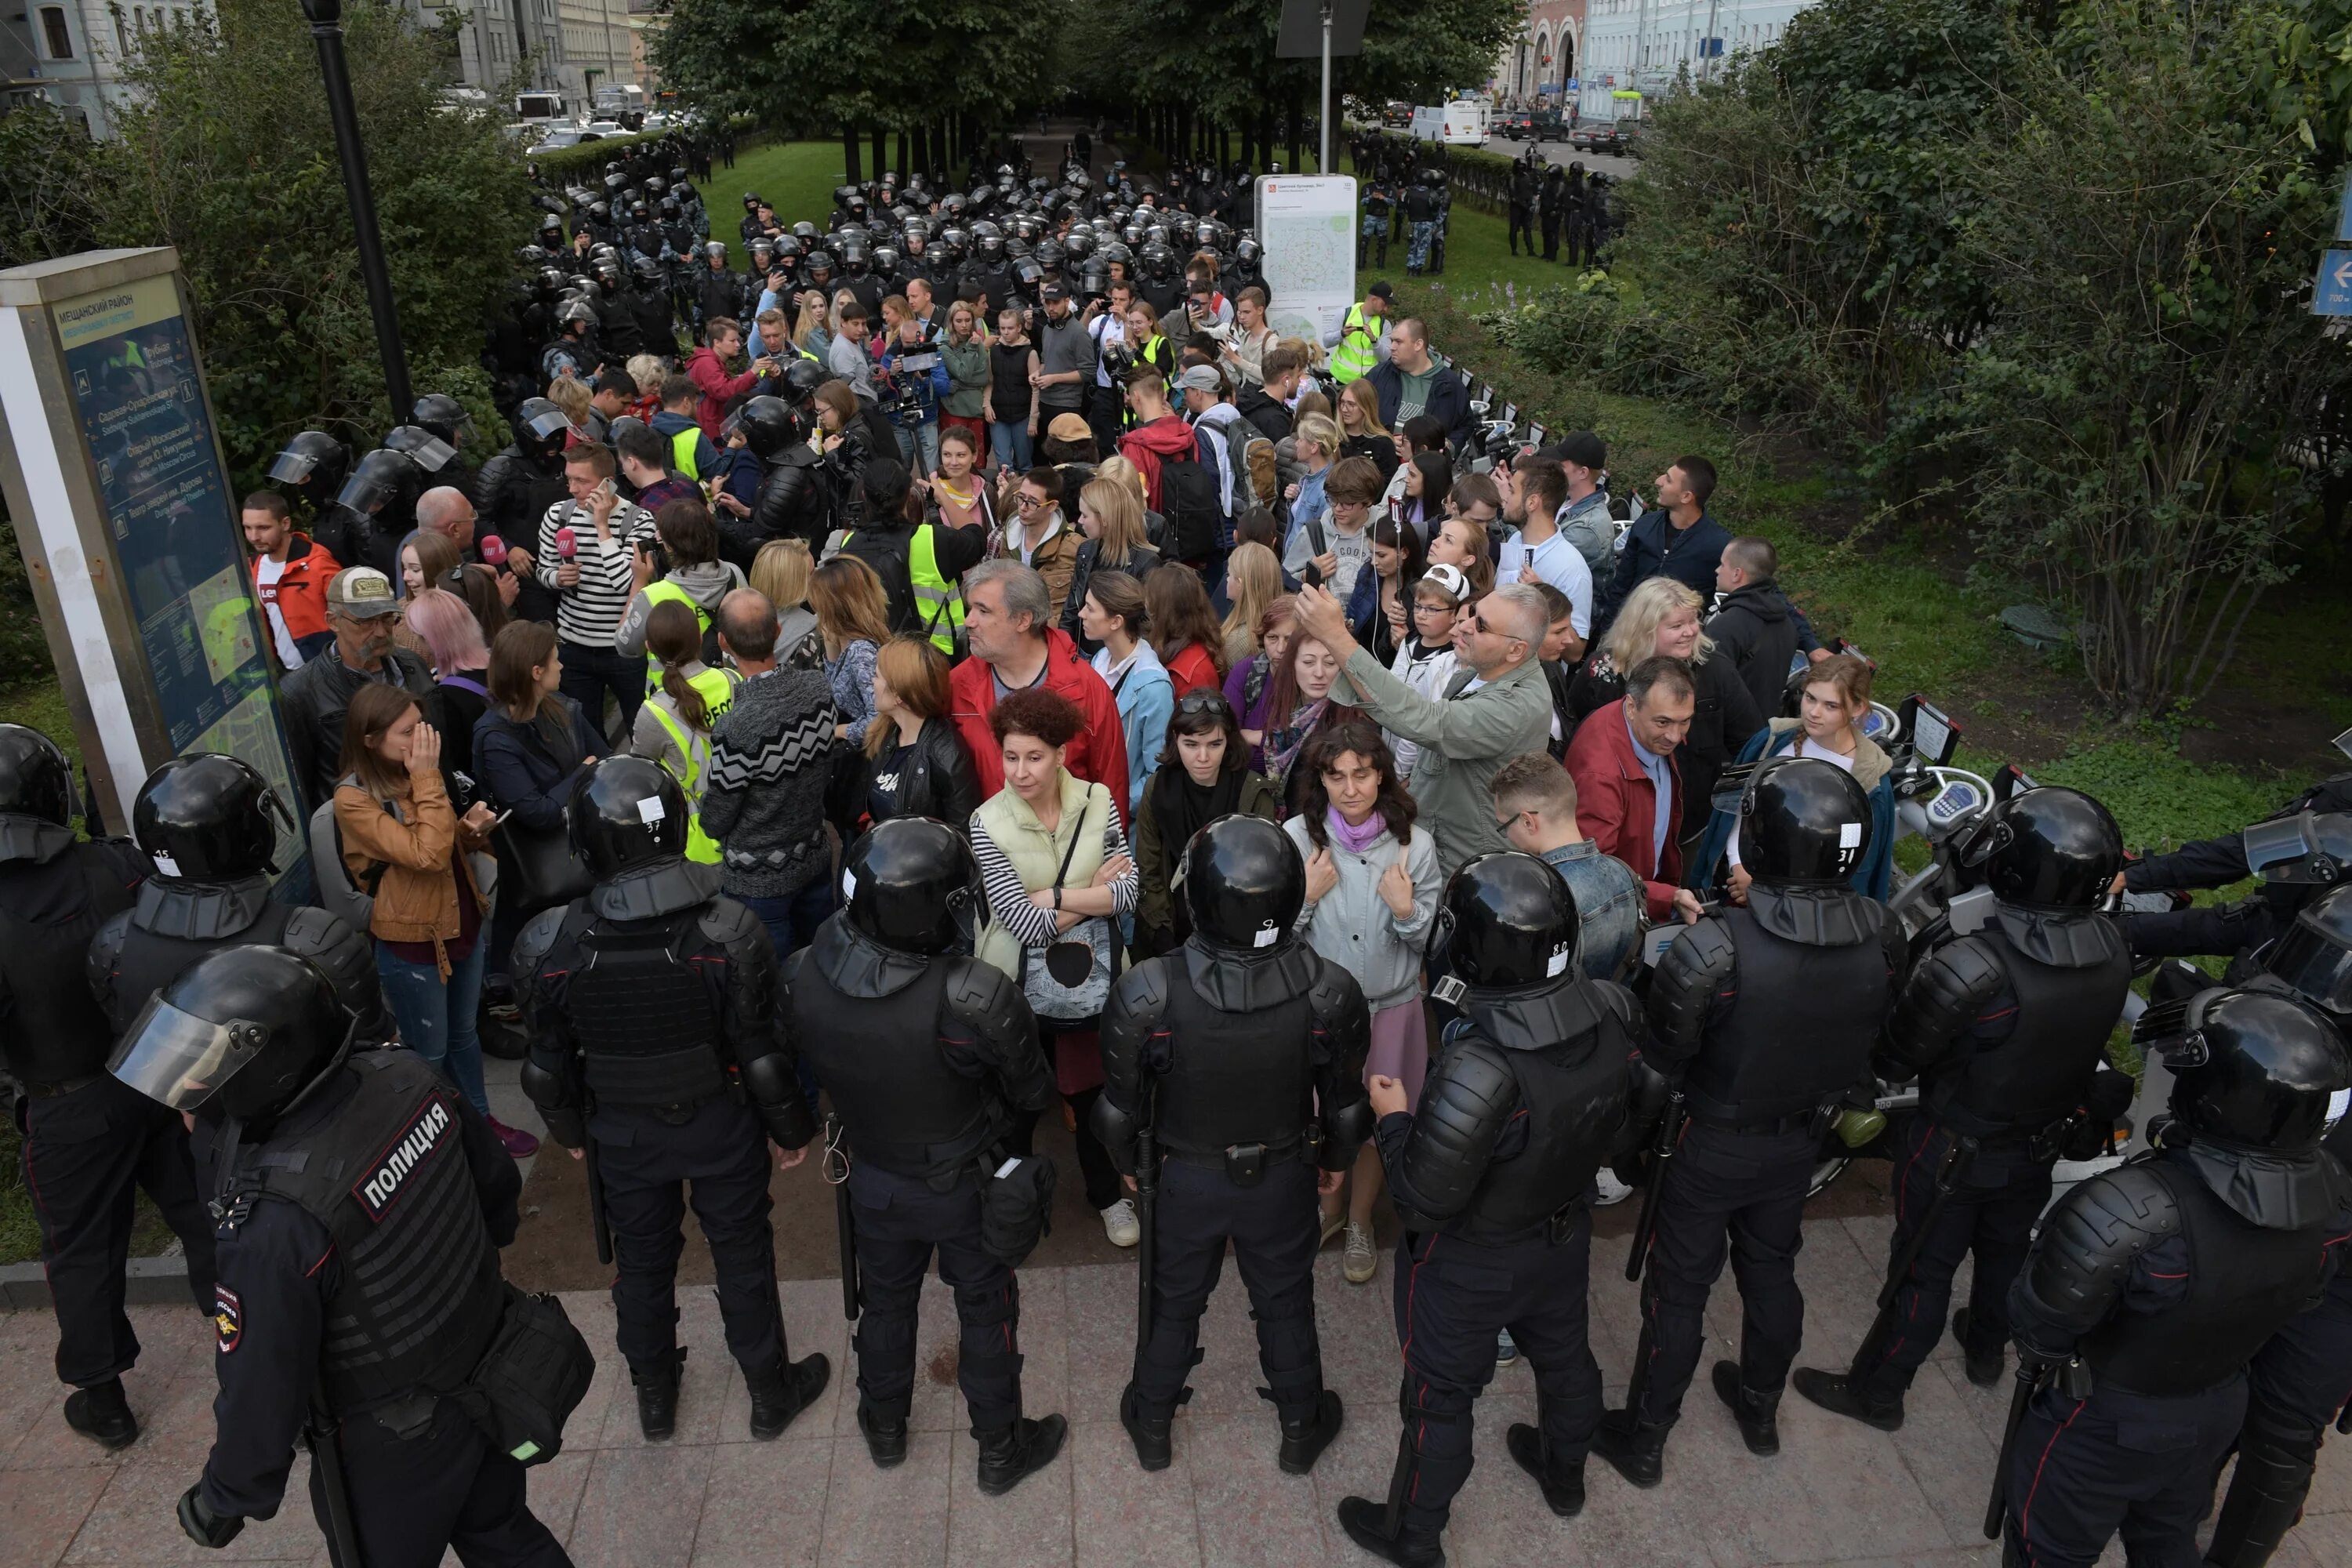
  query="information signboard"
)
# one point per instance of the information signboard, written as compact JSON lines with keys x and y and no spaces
{"x":1307,"y":224}
{"x":138,"y":559}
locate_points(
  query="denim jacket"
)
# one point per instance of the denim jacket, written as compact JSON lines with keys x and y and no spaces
{"x":1608,"y":905}
{"x":1588,"y":525}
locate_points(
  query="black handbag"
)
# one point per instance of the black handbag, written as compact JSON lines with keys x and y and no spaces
{"x":1016,"y":1209}
{"x":533,"y":1376}
{"x":536,"y":869}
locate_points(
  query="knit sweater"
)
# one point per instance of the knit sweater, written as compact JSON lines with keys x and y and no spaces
{"x":766,"y":799}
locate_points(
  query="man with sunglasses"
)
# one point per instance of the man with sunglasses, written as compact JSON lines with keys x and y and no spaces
{"x":1495,"y":707}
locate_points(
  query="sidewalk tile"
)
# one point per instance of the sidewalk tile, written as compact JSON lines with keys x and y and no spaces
{"x":1028,"y":1527}
{"x":764,"y":1505}
{"x":1947,"y":1451}
{"x":553,"y":1488}
{"x":1837,"y":1489}
{"x":136,"y":1521}
{"x":41,"y":1511}
{"x":1251,"y":1514}
{"x":47,"y":1442}
{"x":640,"y":1505}
{"x":889,"y":1518}
{"x":1045,"y":1347}
{"x":1123,"y":1514}
{"x":1098,"y":1315}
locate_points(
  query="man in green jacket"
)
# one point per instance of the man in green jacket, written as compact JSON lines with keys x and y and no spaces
{"x":1496,"y":708}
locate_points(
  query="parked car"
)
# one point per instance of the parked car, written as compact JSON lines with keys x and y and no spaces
{"x":1598,"y":136}
{"x":556,"y":141}
{"x":1517,"y":125}
{"x":1397,"y":113}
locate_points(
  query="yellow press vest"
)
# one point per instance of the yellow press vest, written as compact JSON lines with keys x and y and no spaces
{"x":656,"y":593}
{"x":1357,"y":352}
{"x":717,"y":692}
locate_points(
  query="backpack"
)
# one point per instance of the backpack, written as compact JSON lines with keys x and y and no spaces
{"x":1252,"y":455}
{"x":1188,"y":496}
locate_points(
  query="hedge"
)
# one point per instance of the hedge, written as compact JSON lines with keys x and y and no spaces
{"x":589,"y":157}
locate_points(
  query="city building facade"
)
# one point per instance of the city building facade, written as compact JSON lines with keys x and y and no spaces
{"x":1637,"y":49}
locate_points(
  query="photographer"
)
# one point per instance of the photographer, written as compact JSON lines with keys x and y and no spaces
{"x":916,"y":375}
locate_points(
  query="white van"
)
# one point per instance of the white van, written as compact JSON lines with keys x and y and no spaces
{"x":1461,"y":123}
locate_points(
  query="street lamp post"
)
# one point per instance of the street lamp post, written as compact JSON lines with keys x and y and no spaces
{"x":327,"y":31}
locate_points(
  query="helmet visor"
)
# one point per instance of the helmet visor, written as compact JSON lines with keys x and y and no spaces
{"x":2316,"y":965}
{"x":293,"y":468}
{"x":2283,"y":850}
{"x":548,"y":426}
{"x":431,"y":454}
{"x":180,"y":1059}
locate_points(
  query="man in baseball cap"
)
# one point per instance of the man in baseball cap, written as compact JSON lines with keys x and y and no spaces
{"x":1584,"y":519}
{"x":312,"y":701}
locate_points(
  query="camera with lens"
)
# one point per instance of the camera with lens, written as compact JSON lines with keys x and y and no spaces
{"x":1117,"y":359}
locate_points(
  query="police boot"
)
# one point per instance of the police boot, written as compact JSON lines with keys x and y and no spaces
{"x":1022,"y":1449}
{"x":1841,"y":1394}
{"x":1984,"y":1367}
{"x":658,"y":1398}
{"x":1758,"y":1414}
{"x":102,"y":1414}
{"x":779,"y":1393}
{"x":1635,"y":1448}
{"x":885,"y":1440}
{"x":2276,"y":1457}
{"x":1303,"y":1441}
{"x":1562,"y":1481}
{"x":1367,"y":1525}
{"x":1154,"y":1449}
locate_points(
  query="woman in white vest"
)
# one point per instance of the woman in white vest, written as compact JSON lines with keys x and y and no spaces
{"x":1057,"y":873}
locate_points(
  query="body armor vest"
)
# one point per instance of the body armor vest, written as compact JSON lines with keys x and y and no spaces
{"x":648,"y":1032}
{"x":148,"y":960}
{"x":57,"y":1032}
{"x":1800,"y":1031}
{"x":1234,"y":1078}
{"x":1574,"y":1093}
{"x":420,"y":1295}
{"x":2244,"y":1283}
{"x":2037,"y":1075}
{"x":878,"y":1058}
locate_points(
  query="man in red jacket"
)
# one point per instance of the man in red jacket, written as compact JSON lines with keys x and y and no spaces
{"x":1629,"y":794}
{"x":1008,"y":620}
{"x":706,"y":368}
{"x":1160,"y":432}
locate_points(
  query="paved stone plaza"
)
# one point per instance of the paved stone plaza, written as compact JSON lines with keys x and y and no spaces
{"x":1839,"y":1493}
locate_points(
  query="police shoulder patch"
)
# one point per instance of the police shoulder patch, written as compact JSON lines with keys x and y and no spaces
{"x":383,"y":1178}
{"x":228,"y":1319}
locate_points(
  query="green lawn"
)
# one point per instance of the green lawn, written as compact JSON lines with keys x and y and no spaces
{"x":796,"y":177}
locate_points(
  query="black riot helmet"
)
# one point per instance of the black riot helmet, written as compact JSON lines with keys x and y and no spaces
{"x":421,"y":446}
{"x":242,"y":1034}
{"x":314,"y":463}
{"x":627,"y":812}
{"x":207,"y":817}
{"x":2255,"y":1068}
{"x":384,"y":480}
{"x":1803,"y":823}
{"x":913,"y":886}
{"x":770,"y":424}
{"x":2051,"y":848}
{"x":1506,"y":922}
{"x":445,"y":416}
{"x":540,"y":427}
{"x":1244,"y":882}
{"x":2314,"y":956}
{"x":35,"y":780}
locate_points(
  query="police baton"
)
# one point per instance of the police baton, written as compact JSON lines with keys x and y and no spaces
{"x":2029,"y":1373}
{"x":836,"y":1171}
{"x":1959,"y":1155}
{"x":596,"y":1220}
{"x":1147,"y":1206}
{"x":324,"y":1438}
{"x":1645,"y":1230}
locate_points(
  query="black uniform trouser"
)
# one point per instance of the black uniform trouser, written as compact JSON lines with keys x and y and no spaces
{"x":1274,"y":1231}
{"x":2085,"y":1470}
{"x":1452,"y":1295}
{"x":84,"y":1151}
{"x":1104,"y":410}
{"x":1522,"y":222}
{"x":412,"y":1497}
{"x":647,"y":1165}
{"x":900,"y":1221}
{"x":1750,"y":1189}
{"x":1551,"y":235}
{"x":2193,"y":933}
{"x":1991,"y":1213}
{"x":2296,"y":1386}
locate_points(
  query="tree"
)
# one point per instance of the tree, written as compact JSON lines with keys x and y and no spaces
{"x":227,"y":152}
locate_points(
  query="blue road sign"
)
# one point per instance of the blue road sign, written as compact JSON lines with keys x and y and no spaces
{"x":2344,"y":214}
{"x":2331,"y":293}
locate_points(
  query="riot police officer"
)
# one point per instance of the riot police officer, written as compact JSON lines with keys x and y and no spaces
{"x":2150,"y":1287}
{"x":514,"y":491}
{"x":312,"y":466}
{"x":2296,"y":1384}
{"x":1239,"y":1060}
{"x":2242,"y":923}
{"x":87,"y":1139}
{"x":796,"y":496}
{"x":1766,"y":1014}
{"x":925,"y":1053}
{"x":656,"y":1049}
{"x":209,"y":825}
{"x":1536,"y":1084}
{"x":361,"y":1203}
{"x":2005,"y":1028}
